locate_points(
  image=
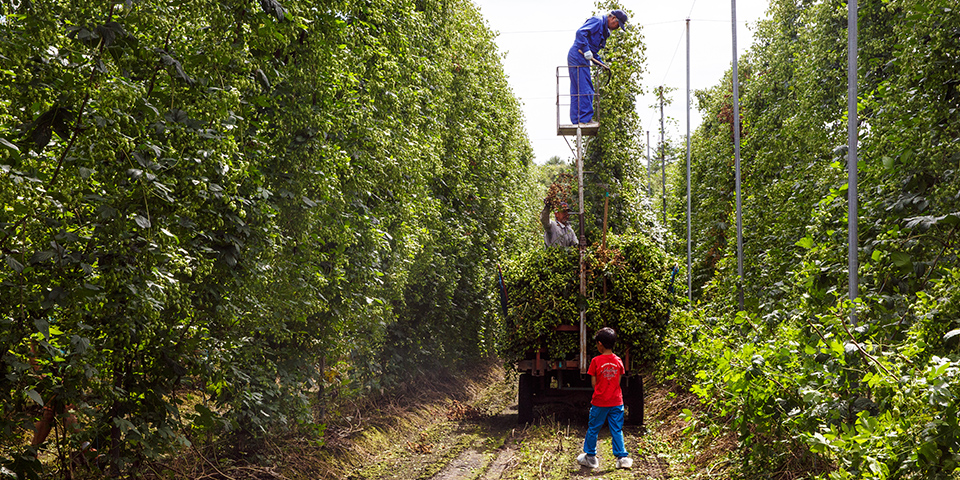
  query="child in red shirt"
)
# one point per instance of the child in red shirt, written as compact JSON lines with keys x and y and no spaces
{"x":606,"y":406}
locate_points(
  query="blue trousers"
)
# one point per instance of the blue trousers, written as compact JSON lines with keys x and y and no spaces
{"x":581,"y":88}
{"x":613,"y":417}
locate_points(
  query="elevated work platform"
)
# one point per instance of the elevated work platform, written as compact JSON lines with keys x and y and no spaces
{"x":586,"y":129}
{"x":563,"y":107}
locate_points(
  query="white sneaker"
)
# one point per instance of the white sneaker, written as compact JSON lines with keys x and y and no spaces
{"x":589,"y":461}
{"x":624,"y":462}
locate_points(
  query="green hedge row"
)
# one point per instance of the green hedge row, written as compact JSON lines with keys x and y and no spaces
{"x":202,"y":203}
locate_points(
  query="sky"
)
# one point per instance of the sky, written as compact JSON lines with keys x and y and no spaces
{"x":535,"y":35}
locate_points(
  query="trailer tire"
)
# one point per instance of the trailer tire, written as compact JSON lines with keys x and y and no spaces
{"x":525,"y":399}
{"x":633,"y":400}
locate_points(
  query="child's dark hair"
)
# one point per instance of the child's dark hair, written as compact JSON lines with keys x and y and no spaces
{"x":606,"y":336}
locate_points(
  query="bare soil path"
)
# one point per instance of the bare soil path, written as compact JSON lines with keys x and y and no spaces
{"x":478,"y":438}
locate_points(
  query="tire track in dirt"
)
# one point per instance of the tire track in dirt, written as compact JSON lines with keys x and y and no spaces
{"x":651,"y":467}
{"x":492,"y":465}
{"x":478,"y":438}
{"x":464,"y":466}
{"x":506,"y":462}
{"x":500,"y":466}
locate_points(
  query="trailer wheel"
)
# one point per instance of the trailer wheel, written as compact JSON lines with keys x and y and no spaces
{"x":525,"y":399}
{"x":633,"y":400}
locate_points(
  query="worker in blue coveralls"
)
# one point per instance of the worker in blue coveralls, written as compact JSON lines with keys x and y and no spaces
{"x":591,"y":37}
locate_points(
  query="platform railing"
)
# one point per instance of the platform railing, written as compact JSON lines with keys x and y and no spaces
{"x":564,"y":99}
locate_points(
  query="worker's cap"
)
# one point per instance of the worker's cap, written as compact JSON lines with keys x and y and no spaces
{"x":621,"y":18}
{"x":563,"y":207}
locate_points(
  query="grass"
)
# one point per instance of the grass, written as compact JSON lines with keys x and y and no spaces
{"x":462,"y":425}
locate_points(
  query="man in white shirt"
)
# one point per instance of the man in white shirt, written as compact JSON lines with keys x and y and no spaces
{"x":557,"y":233}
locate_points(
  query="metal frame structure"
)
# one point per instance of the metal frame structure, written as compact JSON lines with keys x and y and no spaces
{"x":545,"y":381}
{"x":579,"y":130}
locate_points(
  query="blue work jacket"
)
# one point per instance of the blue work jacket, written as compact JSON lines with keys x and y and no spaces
{"x":591,"y":36}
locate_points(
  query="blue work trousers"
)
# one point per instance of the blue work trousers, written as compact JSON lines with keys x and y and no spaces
{"x":613,"y":417}
{"x":581,"y":88}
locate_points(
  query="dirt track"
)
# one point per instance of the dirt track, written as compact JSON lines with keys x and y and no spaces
{"x":479,"y":439}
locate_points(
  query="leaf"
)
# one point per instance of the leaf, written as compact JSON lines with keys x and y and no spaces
{"x":142,"y":221}
{"x":923,"y":223}
{"x":41,"y":135}
{"x":930,"y":451}
{"x":125,"y":425}
{"x":43,"y":327}
{"x":887,"y":163}
{"x":901,"y":259}
{"x":9,"y":146}
{"x":80,"y":344}
{"x":805,"y":242}
{"x":14,"y":264}
{"x":273,"y":7}
{"x":205,"y":417}
{"x":951,"y":219}
{"x":41,"y":257}
{"x":177,"y":115}
{"x":110,"y":31}
{"x":906,"y":156}
{"x":169,"y":234}
{"x":169,"y":61}
{"x":35,"y":396}
{"x":52,"y":298}
{"x":86,"y":37}
{"x":951,"y":334}
{"x":61,"y":122}
{"x":262,"y":78}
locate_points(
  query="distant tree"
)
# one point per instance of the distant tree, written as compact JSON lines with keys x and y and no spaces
{"x":546,"y":174}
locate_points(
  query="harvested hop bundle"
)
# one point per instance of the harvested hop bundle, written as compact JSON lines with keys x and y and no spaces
{"x":627,"y":289}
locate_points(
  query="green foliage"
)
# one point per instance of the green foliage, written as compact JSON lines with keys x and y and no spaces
{"x":808,"y":391}
{"x":626,"y":290}
{"x":613,"y":157}
{"x":548,"y":173}
{"x":222,"y":197}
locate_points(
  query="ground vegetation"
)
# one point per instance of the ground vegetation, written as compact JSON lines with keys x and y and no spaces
{"x":810,"y":390}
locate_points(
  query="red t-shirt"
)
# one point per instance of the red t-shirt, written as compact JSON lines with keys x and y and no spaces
{"x":607,"y":369}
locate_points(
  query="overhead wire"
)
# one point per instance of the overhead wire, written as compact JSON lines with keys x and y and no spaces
{"x":568,"y":31}
{"x":674,"y":57}
{"x":680,"y":40}
{"x":677,"y":48}
{"x":641,"y":25}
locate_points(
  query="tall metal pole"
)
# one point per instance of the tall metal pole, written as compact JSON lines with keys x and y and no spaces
{"x":852,"y":137}
{"x":736,"y":153}
{"x":649,"y":169}
{"x":689,"y":247}
{"x":663,"y":161}
{"x":581,"y":247}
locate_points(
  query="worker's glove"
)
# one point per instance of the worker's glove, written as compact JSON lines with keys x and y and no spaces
{"x":588,"y":55}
